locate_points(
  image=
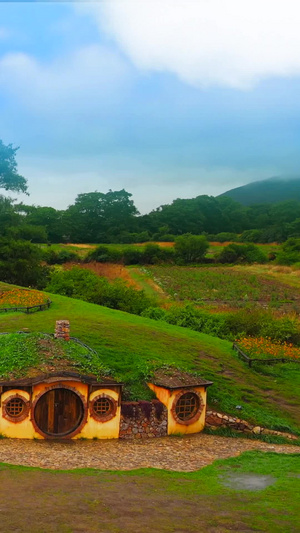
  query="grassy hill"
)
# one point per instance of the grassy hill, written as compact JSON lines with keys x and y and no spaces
{"x":270,"y":191}
{"x":132,"y":347}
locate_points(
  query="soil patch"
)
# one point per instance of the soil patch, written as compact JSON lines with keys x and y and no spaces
{"x":244,"y":481}
{"x":45,"y":502}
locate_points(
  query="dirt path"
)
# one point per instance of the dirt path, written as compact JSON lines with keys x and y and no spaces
{"x":174,"y":453}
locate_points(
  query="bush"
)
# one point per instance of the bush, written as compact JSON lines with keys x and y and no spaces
{"x":198,"y":320}
{"x":104,"y":254}
{"x":153,"y":254}
{"x":58,"y":258}
{"x":230,"y":326}
{"x":191,"y":248}
{"x":132,"y":256}
{"x":75,"y":283}
{"x":156,"y":313}
{"x":20,"y":264}
{"x":87,"y":286}
{"x":289,"y":252}
{"x":241,"y":253}
{"x":251,"y":235}
{"x":167,"y":237}
{"x":223,"y":237}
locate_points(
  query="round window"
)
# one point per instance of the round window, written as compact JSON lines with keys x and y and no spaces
{"x":15,"y":409}
{"x":187,"y":406}
{"x":103,"y":408}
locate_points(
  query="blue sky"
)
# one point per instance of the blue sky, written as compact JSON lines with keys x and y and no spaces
{"x":166,"y":99}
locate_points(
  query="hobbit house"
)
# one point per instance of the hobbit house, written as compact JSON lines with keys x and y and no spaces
{"x":55,"y":399}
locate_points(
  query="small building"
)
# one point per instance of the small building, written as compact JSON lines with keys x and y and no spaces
{"x":184,"y":396}
{"x":60,"y":405}
{"x":57,"y":401}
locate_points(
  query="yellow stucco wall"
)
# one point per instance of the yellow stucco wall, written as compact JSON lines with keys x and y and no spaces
{"x":22,"y":429}
{"x":91,"y":429}
{"x":168,"y":397}
{"x":102,"y":430}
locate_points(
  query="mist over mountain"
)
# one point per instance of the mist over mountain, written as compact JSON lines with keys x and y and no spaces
{"x":270,"y":191}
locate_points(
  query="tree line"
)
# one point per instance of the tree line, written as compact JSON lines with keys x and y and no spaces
{"x":112,"y":217}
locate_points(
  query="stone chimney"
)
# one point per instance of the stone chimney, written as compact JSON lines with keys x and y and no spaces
{"x":62,"y":330}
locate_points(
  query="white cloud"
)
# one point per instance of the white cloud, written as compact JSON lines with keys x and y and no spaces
{"x":89,"y":77}
{"x":234,"y":43}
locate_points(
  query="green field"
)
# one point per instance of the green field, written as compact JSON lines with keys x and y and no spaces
{"x":132,"y":347}
{"x":222,"y":284}
{"x":254,"y":492}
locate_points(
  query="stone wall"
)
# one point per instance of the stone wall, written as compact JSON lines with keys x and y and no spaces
{"x":215,"y":420}
{"x":140,"y":420}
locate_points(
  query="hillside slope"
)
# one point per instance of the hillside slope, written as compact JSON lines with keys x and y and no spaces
{"x":268,"y":191}
{"x":131,"y":347}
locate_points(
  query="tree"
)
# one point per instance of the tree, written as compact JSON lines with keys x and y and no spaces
{"x":99,"y":217}
{"x":191,"y":248}
{"x":10,"y":180}
{"x":48,"y":217}
{"x":20,"y":263}
{"x":8,"y":217}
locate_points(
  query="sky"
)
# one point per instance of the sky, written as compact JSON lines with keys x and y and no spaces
{"x":165,"y":98}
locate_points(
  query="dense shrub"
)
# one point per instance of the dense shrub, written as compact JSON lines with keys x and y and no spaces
{"x":191,"y":248}
{"x":156,"y":313}
{"x":28,"y":232}
{"x":153,"y":253}
{"x":251,"y":235}
{"x":289,"y":252}
{"x":132,"y":255}
{"x":165,"y":237}
{"x":86,"y":285}
{"x":59,"y":258}
{"x":224,"y":236}
{"x":126,"y":237}
{"x":105,"y":254}
{"x":241,"y":253}
{"x":230,"y":326}
{"x":20,"y":264}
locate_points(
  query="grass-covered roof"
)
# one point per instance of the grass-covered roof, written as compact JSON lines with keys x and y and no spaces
{"x":30,"y":355}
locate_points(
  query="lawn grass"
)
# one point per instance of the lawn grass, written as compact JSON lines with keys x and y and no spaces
{"x":132,"y":347}
{"x":151,"y":500}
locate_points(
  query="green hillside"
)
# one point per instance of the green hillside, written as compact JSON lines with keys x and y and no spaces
{"x":270,"y":191}
{"x":131,"y":347}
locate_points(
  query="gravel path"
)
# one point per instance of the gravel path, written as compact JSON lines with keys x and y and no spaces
{"x":171,"y":453}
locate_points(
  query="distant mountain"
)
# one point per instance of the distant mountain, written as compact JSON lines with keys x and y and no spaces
{"x":268,"y":191}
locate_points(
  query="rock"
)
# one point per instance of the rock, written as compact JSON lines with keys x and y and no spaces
{"x":256,"y":430}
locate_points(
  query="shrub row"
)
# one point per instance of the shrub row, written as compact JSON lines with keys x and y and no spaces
{"x":51,"y":257}
{"x":230,"y":326}
{"x":188,"y":249}
{"x":86,"y":285}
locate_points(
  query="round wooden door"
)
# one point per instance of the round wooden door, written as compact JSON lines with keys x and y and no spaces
{"x":58,"y":412}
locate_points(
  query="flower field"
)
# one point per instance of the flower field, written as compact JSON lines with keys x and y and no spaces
{"x":263,"y":348}
{"x":21,"y":298}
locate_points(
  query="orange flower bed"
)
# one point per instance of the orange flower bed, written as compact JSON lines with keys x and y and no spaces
{"x":264,"y":348}
{"x":21,"y":298}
